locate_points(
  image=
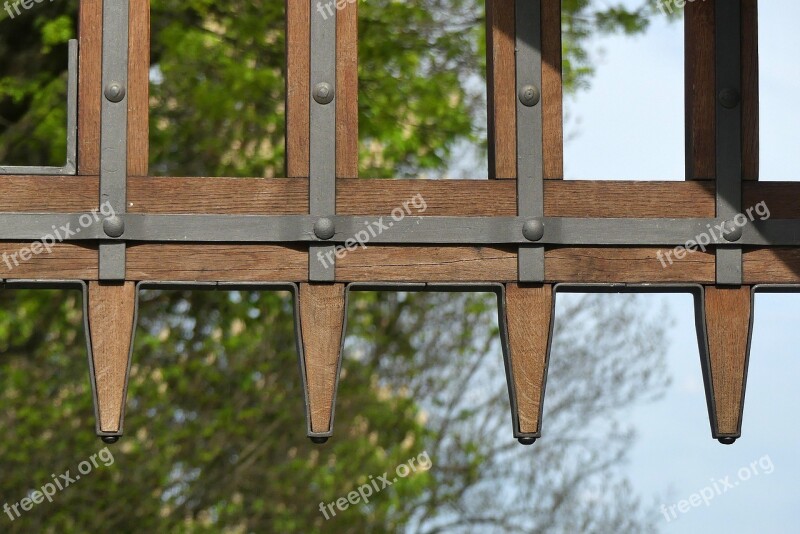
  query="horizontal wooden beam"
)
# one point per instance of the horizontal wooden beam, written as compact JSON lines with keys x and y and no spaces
{"x":289,"y":196}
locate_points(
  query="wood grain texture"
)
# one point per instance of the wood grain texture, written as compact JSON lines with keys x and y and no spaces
{"x":322,"y":315}
{"x":298,"y":91}
{"x":750,"y":106}
{"x":771,"y":266}
{"x":139,"y":88}
{"x":700,"y":90}
{"x":111,"y":325}
{"x":528,"y":314}
{"x":727,"y":314}
{"x":501,"y":88}
{"x":552,"y":91}
{"x":347,"y":91}
{"x":90,"y":37}
{"x":66,"y":261}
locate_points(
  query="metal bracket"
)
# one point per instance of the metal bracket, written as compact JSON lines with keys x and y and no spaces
{"x":71,"y":166}
{"x":530,"y":168}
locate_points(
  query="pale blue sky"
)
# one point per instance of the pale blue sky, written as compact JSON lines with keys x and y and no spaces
{"x":629,"y":125}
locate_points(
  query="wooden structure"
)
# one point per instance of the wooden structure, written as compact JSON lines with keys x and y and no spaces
{"x":536,"y":234}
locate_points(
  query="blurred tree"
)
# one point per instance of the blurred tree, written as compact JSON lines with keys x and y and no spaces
{"x":215,"y":420}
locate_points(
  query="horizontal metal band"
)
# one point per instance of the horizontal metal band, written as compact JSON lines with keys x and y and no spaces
{"x":410,"y":230}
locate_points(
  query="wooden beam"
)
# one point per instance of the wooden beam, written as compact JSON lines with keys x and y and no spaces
{"x":528,"y":317}
{"x":298,"y":91}
{"x":750,"y":77}
{"x":727,"y":313}
{"x":111,"y":326}
{"x":90,"y":37}
{"x":700,"y":90}
{"x":322,"y":316}
{"x":552,"y":91}
{"x":501,"y":88}
{"x":347,"y":91}
{"x":139,"y":88}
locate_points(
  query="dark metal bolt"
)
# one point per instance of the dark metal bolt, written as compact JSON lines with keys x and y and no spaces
{"x":110,"y":439}
{"x":323,"y":93}
{"x":530,"y":95}
{"x":324,"y":228}
{"x":114,"y":226}
{"x":115,"y":92}
{"x":318,"y":440}
{"x":733,"y":232}
{"x":527,"y":441}
{"x":533,"y":230}
{"x":727,"y":441}
{"x":729,"y":98}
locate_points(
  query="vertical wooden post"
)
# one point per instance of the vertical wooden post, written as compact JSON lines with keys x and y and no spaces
{"x":90,"y":38}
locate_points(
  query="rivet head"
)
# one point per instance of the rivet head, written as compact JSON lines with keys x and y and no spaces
{"x":317,"y":440}
{"x":530,"y":95}
{"x":729,"y":98}
{"x":115,"y":92}
{"x":323,"y":93}
{"x":110,"y":440}
{"x":733,"y":232}
{"x":324,"y":228}
{"x":533,"y":230}
{"x":727,"y":441}
{"x":527,"y":441}
{"x":114,"y":226}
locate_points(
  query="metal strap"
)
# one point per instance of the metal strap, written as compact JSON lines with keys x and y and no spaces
{"x":322,"y":141}
{"x":530,"y":169}
{"x":729,"y":131}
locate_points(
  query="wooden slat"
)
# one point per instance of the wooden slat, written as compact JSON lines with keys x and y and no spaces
{"x":501,"y":88}
{"x":727,"y":313}
{"x":750,"y":111}
{"x":322,"y":315}
{"x":64,"y":262}
{"x":772,"y":266}
{"x":139,"y":88}
{"x":700,"y":90}
{"x":111,"y":324}
{"x":552,"y":97}
{"x":528,"y":316}
{"x":90,"y":36}
{"x":347,"y":91}
{"x":298,"y":92}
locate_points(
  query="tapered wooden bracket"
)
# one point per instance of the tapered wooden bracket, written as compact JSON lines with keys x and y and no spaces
{"x":728,"y":317}
{"x":526,"y":321}
{"x":322,"y":320}
{"x":111,"y":317}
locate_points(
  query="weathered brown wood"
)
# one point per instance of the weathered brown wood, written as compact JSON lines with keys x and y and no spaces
{"x":139,"y":88}
{"x":111,"y":325}
{"x":64,"y":262}
{"x":322,"y":315}
{"x":90,"y":37}
{"x":528,"y":315}
{"x":298,"y":92}
{"x":771,"y":266}
{"x":700,"y":90}
{"x":750,"y":110}
{"x":347,"y":91}
{"x":727,"y":313}
{"x":552,"y":91}
{"x":501,"y":88}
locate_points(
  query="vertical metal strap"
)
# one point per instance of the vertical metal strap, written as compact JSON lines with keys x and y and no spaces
{"x":530,"y":169}
{"x":729,"y":134}
{"x":322,"y":141}
{"x":114,"y":136}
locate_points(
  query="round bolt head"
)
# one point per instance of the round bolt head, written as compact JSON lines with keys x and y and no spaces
{"x":530,"y":95}
{"x":114,"y":226}
{"x":729,"y":98}
{"x":115,"y":92}
{"x":727,"y":441}
{"x":318,"y":440}
{"x":533,"y":230}
{"x":733,"y":232}
{"x":527,"y":441}
{"x":324,"y":228}
{"x":323,"y":93}
{"x":110,"y":439}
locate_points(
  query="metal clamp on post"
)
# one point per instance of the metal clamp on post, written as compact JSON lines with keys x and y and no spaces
{"x":114,"y":138}
{"x":530,"y":169}
{"x":729,"y":136}
{"x":322,"y":145}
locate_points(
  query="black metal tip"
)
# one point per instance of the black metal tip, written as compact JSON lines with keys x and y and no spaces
{"x":318,"y":440}
{"x":727,"y":441}
{"x":527,"y":441}
{"x":110,"y":439}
